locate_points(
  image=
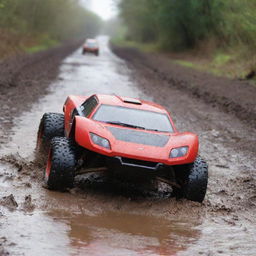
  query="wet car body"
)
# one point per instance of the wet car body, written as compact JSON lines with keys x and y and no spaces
{"x":124,"y":138}
{"x":91,"y":46}
{"x":133,"y":152}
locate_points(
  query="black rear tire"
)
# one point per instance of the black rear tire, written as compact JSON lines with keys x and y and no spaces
{"x":51,"y":125}
{"x":61,"y":164}
{"x":194,"y":181}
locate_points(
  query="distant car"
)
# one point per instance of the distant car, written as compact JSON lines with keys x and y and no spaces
{"x":91,"y":46}
{"x":128,"y":139}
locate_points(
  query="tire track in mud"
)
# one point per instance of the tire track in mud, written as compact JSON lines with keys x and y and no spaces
{"x":24,"y":79}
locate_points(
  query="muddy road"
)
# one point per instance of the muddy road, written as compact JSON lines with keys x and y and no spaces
{"x":97,"y":218}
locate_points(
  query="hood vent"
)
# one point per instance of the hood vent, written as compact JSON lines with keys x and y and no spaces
{"x":139,"y":137}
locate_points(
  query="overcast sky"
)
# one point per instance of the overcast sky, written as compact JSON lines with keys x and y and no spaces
{"x":104,"y":8}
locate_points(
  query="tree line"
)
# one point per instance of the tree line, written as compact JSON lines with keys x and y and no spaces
{"x":181,"y":24}
{"x":56,"y":19}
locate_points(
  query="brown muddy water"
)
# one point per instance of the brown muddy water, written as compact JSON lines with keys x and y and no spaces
{"x":111,"y":219}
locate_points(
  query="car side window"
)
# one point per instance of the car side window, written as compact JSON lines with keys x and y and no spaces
{"x":89,"y":105}
{"x":74,"y":113}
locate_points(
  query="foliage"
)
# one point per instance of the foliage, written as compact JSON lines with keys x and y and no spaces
{"x":179,"y":24}
{"x":59,"y":19}
{"x":115,"y":28}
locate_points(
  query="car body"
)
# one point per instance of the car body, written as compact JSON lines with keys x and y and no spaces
{"x":134,"y":140}
{"x":152,"y":146}
{"x":91,"y":46}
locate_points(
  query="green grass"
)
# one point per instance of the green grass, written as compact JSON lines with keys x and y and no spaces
{"x":44,"y":44}
{"x":229,"y":64}
{"x":217,"y":66}
{"x":185,"y":63}
{"x":119,"y":41}
{"x":221,"y":59}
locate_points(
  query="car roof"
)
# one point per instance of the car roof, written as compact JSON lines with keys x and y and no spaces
{"x":91,"y":40}
{"x":129,"y":103}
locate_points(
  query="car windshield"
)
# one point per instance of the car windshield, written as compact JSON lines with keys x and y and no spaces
{"x":134,"y":118}
{"x":92,"y":45}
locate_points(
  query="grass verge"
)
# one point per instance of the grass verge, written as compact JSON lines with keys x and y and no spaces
{"x":234,"y":63}
{"x":13,"y":43}
{"x":43,"y":44}
{"x":118,"y":41}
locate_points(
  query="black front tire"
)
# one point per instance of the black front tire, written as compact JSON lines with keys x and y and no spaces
{"x":51,"y":125}
{"x":194,"y":181}
{"x":196,"y":186}
{"x":61,"y":164}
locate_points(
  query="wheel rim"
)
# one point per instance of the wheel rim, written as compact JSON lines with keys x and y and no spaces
{"x":48,"y":166}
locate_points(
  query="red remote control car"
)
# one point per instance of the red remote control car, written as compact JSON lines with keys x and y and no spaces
{"x":126,"y":138}
{"x":91,"y":46}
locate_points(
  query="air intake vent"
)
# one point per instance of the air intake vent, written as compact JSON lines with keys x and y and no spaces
{"x":139,"y":137}
{"x":132,"y":101}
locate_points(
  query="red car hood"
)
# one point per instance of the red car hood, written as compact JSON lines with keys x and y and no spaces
{"x":134,"y":143}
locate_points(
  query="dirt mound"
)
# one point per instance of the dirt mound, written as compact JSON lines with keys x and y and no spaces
{"x":9,"y":202}
{"x":3,"y":242}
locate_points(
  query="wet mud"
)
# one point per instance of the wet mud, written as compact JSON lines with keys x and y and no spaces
{"x":99,"y":217}
{"x":25,"y":79}
{"x":234,"y":96}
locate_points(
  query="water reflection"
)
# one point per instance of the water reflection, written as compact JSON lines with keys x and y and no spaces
{"x":123,"y":233}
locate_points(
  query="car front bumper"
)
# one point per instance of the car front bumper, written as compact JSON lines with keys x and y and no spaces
{"x":133,"y":170}
{"x":91,"y":49}
{"x":137,"y":164}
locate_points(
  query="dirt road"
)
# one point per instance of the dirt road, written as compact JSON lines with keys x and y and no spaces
{"x":111,"y":219}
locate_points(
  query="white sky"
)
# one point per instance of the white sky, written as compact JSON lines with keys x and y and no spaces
{"x":104,"y":8}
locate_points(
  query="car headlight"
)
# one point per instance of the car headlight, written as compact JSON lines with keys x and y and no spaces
{"x":178,"y":152}
{"x":100,"y":141}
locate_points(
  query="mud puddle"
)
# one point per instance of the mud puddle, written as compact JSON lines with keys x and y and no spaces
{"x":86,"y":221}
{"x":93,"y":221}
{"x":123,"y":233}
